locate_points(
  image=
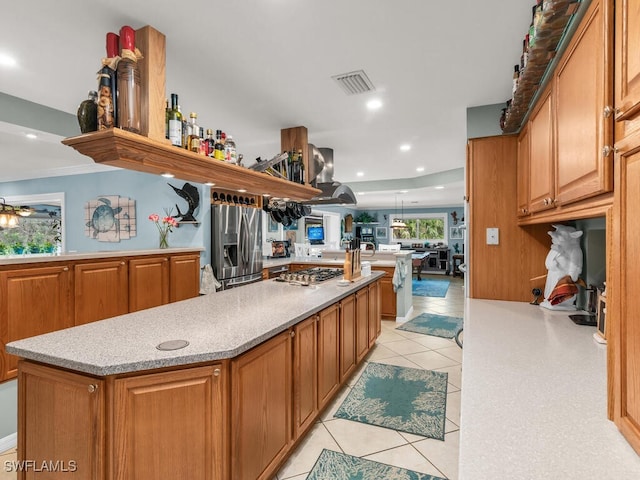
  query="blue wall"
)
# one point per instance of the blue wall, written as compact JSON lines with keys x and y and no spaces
{"x":151,"y":193}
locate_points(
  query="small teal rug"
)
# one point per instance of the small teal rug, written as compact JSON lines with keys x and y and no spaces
{"x":407,"y":399}
{"x":339,"y":466}
{"x":429,"y":288}
{"x":433,"y":324}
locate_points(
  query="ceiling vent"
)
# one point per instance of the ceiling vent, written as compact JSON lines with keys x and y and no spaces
{"x":354,"y":83}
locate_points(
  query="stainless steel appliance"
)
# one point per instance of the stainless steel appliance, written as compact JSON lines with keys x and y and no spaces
{"x":236,"y":245}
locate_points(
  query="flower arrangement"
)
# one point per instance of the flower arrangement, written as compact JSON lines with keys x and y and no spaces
{"x":164,"y":227}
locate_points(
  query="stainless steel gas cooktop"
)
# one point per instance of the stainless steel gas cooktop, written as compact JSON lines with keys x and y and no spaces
{"x":311,"y":275}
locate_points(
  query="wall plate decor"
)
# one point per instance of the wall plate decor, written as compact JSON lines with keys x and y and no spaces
{"x":110,"y":218}
{"x":381,"y":232}
{"x":455,"y":233}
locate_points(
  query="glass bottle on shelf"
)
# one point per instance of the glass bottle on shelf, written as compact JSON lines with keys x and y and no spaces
{"x":301,"y":162}
{"x":128,"y":96}
{"x":88,"y":113}
{"x":218,"y":153}
{"x":193,"y":141}
{"x":209,"y":143}
{"x":231,"y":155}
{"x":516,"y":77}
{"x":203,"y":145}
{"x":175,"y":122}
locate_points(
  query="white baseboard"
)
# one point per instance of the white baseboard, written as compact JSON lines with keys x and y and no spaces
{"x":8,"y":442}
{"x":407,"y":316}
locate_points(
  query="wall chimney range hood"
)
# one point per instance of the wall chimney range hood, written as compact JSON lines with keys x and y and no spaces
{"x":321,"y":177}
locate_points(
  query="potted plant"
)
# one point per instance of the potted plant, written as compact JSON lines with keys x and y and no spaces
{"x":48,"y":247}
{"x":33,"y":247}
{"x":4,"y":249}
{"x":18,"y":248}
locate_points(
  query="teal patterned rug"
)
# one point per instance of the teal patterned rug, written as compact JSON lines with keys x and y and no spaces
{"x":429,"y":288}
{"x":433,"y":324}
{"x":339,"y":466}
{"x":407,"y":399}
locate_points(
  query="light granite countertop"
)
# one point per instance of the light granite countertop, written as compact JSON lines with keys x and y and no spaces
{"x":65,"y":257}
{"x":217,"y":326}
{"x":534,"y":398}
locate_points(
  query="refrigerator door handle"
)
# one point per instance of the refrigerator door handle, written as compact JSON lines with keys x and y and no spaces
{"x":244,"y":240}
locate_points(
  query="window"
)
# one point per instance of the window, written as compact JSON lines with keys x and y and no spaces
{"x":40,"y":232}
{"x":423,"y":228}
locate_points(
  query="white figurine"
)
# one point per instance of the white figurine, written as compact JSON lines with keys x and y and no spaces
{"x":563,"y":260}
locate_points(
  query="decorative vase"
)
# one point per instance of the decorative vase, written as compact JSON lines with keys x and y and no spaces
{"x":164,"y":239}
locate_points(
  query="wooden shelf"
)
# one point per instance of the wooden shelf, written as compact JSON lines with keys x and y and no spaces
{"x":123,"y":149}
{"x":541,"y":54}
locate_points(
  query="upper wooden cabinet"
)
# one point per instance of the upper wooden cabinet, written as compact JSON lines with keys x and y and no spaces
{"x":33,"y":301}
{"x":541,"y":166}
{"x":583,"y":91}
{"x":522,"y":172}
{"x":627,"y":68}
{"x":101,"y":290}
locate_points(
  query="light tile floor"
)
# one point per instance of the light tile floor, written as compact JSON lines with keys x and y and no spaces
{"x":394,"y":347}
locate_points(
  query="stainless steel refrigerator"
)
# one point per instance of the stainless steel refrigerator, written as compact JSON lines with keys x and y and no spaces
{"x":236,"y":245}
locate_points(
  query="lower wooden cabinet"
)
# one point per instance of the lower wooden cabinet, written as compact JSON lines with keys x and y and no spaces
{"x":101,"y":290}
{"x":61,"y":417}
{"x":33,"y":301}
{"x":347,"y":336}
{"x":148,"y":282}
{"x":388,"y":300}
{"x":184,"y":277}
{"x":362,"y":323}
{"x":328,"y":354}
{"x":375,"y":320}
{"x":261,"y":397}
{"x":305,"y":375}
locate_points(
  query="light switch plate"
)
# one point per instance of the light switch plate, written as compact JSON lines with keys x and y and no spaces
{"x":493,"y":236}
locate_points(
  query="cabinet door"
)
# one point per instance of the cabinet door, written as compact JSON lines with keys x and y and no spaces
{"x":347,"y":336}
{"x":541,"y":162}
{"x":148,"y":282}
{"x":375,"y":320}
{"x":362,"y":324}
{"x":61,"y":418}
{"x":328,"y":354}
{"x":627,"y":60}
{"x":522,"y":172}
{"x":170,"y":425}
{"x":388,"y":300}
{"x":582,"y":89}
{"x":622,"y":311}
{"x":261,"y":409}
{"x":184,"y":279}
{"x":305,"y":375}
{"x":33,"y":301}
{"x":101,"y":290}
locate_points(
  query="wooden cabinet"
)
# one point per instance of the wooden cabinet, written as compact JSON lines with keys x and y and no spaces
{"x":328,"y":354}
{"x":522,"y":173}
{"x":184,"y":277}
{"x":261,"y":408}
{"x":375,"y":320}
{"x":148,"y":282}
{"x":627,"y":62}
{"x":347,"y":336}
{"x":624,"y":285}
{"x":541,"y":160}
{"x":362,"y":324}
{"x":101,"y":290}
{"x":189,"y":404}
{"x":61,"y":418}
{"x":388,"y":299}
{"x":305,"y":375}
{"x":33,"y":301}
{"x":582,"y":89}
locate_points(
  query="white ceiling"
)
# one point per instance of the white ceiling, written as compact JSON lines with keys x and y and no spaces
{"x":254,"y":67}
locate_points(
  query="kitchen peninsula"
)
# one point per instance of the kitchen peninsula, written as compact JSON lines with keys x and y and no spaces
{"x":396,"y":300}
{"x":247,"y":372}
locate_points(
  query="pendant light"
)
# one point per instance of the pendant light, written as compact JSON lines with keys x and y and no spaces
{"x":9,"y":214}
{"x":398,"y":223}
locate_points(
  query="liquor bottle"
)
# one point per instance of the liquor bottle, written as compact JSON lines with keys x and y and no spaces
{"x":203,"y":145}
{"x":193,"y":141}
{"x":301,"y":162}
{"x":128,"y":97}
{"x":516,"y":77}
{"x":108,"y":85}
{"x":231,"y":155}
{"x":88,"y":113}
{"x":167,"y":109}
{"x":175,"y":122}
{"x":218,"y":153}
{"x":209,"y":143}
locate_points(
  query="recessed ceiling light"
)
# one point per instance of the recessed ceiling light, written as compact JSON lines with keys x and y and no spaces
{"x":439,"y":187}
{"x":374,"y":104}
{"x":360,"y":174}
{"x":168,"y":175}
{"x":420,"y":169}
{"x":31,"y":135}
{"x":362,"y":193}
{"x":404,"y":191}
{"x":405,"y":148}
{"x":7,"y":61}
{"x":241,"y":190}
{"x":209,"y":184}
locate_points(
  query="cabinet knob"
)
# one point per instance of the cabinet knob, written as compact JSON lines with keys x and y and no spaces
{"x":92,"y":388}
{"x":65,"y":269}
{"x":606,"y":150}
{"x":121,"y":263}
{"x":545,"y":201}
{"x":292,"y":333}
{"x":608,"y":111}
{"x":216,"y":372}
